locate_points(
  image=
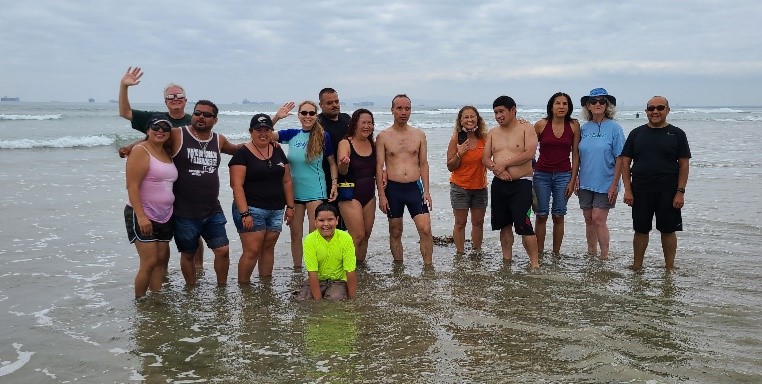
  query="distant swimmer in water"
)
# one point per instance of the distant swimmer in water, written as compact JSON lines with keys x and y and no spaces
{"x":637,"y":115}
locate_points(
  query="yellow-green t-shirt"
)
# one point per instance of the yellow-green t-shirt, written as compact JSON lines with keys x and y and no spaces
{"x":331,"y":260}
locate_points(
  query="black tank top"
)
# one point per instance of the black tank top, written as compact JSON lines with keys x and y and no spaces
{"x":197,"y":188}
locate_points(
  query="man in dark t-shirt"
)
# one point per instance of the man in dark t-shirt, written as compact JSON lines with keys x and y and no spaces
{"x":655,"y":172}
{"x":336,"y":124}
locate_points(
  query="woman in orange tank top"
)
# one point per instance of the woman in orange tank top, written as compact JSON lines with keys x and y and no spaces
{"x":468,"y":179}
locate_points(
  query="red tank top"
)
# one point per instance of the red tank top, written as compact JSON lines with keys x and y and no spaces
{"x":555,"y":151}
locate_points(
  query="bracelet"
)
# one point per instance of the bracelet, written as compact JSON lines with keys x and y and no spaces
{"x":245,"y":214}
{"x":290,"y":207}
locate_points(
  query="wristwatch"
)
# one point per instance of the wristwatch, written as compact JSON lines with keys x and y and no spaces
{"x":681,"y":190}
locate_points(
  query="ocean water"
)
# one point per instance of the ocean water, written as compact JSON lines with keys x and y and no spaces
{"x":68,"y":313}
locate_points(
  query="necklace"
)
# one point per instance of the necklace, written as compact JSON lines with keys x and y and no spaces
{"x":201,"y":144}
{"x":269,"y":156}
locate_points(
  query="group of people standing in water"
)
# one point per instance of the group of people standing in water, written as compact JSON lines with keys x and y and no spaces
{"x":334,"y":166}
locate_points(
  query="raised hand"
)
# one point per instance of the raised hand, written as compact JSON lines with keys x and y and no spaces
{"x":285,"y":110}
{"x":132,"y":77}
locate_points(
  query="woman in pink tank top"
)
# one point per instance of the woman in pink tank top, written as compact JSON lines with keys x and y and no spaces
{"x":150,"y":176}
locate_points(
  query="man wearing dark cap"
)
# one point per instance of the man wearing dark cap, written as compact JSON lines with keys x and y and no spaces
{"x":654,"y":185}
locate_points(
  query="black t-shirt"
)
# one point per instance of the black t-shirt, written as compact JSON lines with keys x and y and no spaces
{"x":337,"y":129}
{"x":263,"y":184}
{"x":655,"y":152}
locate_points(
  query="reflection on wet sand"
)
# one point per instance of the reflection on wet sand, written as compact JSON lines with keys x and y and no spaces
{"x":477,"y":319}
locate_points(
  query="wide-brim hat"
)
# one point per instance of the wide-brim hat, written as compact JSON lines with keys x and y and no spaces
{"x":598,"y":92}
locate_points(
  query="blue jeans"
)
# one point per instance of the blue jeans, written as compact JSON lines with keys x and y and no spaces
{"x":264,"y":219}
{"x":212,"y":229}
{"x":547,"y":184}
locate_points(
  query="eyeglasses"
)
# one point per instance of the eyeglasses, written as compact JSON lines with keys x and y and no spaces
{"x":305,"y":113}
{"x":205,"y":114}
{"x":178,"y":96}
{"x":162,"y":127}
{"x":659,"y":108}
{"x":261,"y":128}
{"x":597,"y":101}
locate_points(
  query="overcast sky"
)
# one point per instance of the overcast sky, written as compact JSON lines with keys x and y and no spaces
{"x":694,"y":52}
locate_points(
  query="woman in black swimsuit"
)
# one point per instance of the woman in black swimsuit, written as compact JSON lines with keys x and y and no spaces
{"x":357,"y":164}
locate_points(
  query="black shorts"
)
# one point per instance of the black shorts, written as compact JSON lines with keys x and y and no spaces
{"x":648,"y":203}
{"x":511,"y":203}
{"x":401,"y":195}
{"x":161,"y":231}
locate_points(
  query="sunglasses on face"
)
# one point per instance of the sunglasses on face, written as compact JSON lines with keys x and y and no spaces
{"x":598,"y":101}
{"x":178,"y":96}
{"x":161,"y":127}
{"x":659,"y":108}
{"x":205,"y":114}
{"x":305,"y":113}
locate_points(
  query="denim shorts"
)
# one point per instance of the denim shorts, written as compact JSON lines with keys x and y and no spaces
{"x":212,"y":229}
{"x":264,"y":219}
{"x":547,"y":184}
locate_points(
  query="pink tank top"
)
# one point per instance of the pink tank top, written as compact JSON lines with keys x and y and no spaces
{"x":156,"y":190}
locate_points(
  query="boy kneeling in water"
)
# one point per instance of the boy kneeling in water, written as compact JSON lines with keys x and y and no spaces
{"x":329,"y":257}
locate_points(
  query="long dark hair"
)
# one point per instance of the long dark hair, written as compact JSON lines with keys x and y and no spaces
{"x":353,"y":123}
{"x":568,"y":117}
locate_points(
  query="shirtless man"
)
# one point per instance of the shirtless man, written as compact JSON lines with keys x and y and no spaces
{"x":401,"y":154}
{"x":508,"y":153}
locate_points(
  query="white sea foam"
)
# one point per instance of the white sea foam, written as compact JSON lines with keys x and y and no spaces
{"x":706,"y":110}
{"x":61,"y":142}
{"x":7,"y":367}
{"x":241,"y":113}
{"x":42,"y":318}
{"x":30,"y":117}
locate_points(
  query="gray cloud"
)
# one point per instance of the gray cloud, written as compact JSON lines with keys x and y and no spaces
{"x":449,"y":51}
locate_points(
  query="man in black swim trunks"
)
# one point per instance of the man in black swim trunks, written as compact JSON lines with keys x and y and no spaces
{"x":401,"y":152}
{"x":508,"y":153}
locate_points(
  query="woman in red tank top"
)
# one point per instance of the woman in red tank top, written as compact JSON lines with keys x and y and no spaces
{"x":555,"y":173}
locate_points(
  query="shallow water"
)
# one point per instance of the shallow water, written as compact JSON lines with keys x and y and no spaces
{"x":67,"y":310}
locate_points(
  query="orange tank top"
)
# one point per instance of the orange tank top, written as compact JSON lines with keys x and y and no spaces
{"x":471,"y":174}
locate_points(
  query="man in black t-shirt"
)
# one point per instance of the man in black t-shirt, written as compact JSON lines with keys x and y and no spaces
{"x":336,"y":124}
{"x":655,"y":172}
